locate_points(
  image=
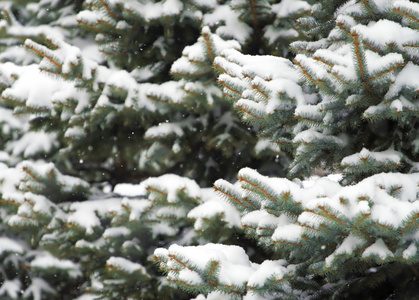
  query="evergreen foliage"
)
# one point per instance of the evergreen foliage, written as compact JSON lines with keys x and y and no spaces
{"x":96,"y":95}
{"x":117,"y":116}
{"x":344,"y":105}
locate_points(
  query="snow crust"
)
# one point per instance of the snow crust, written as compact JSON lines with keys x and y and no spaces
{"x":213,"y":206}
{"x":259,"y":78}
{"x":235,"y":268}
{"x":128,"y":189}
{"x":33,"y":143}
{"x":388,"y":156}
{"x":10,"y":245}
{"x":116,"y":232}
{"x":233,"y":28}
{"x":46,"y":261}
{"x":43,"y":168}
{"x":125,"y":265}
{"x":388,"y":200}
{"x":384,"y":32}
{"x":288,"y":7}
{"x":269,"y":268}
{"x":231,"y":262}
{"x":85,"y":214}
{"x":137,"y":207}
{"x":164,"y":129}
{"x":403,"y":80}
{"x":196,"y":59}
{"x":379,"y":248}
{"x":171,"y":184}
{"x":410,"y":251}
{"x":34,"y":87}
{"x":348,"y":246}
{"x":9,"y":179}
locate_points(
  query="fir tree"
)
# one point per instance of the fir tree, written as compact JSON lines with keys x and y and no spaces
{"x":346,"y":104}
{"x":116,"y":116}
{"x":97,"y":97}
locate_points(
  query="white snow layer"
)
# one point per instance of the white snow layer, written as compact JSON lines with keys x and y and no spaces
{"x":43,"y":168}
{"x":388,"y":156}
{"x":230,"y":264}
{"x":372,"y":198}
{"x":10,"y":245}
{"x":172,"y":184}
{"x":34,"y":87}
{"x":388,"y":200}
{"x":213,"y":206}
{"x":128,"y":189}
{"x":85,"y":214}
{"x":232,"y":27}
{"x":47,"y":261}
{"x":379,"y":248}
{"x":289,"y":7}
{"x":33,"y":143}
{"x":208,"y":203}
{"x":124,"y":265}
{"x":262,"y":82}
